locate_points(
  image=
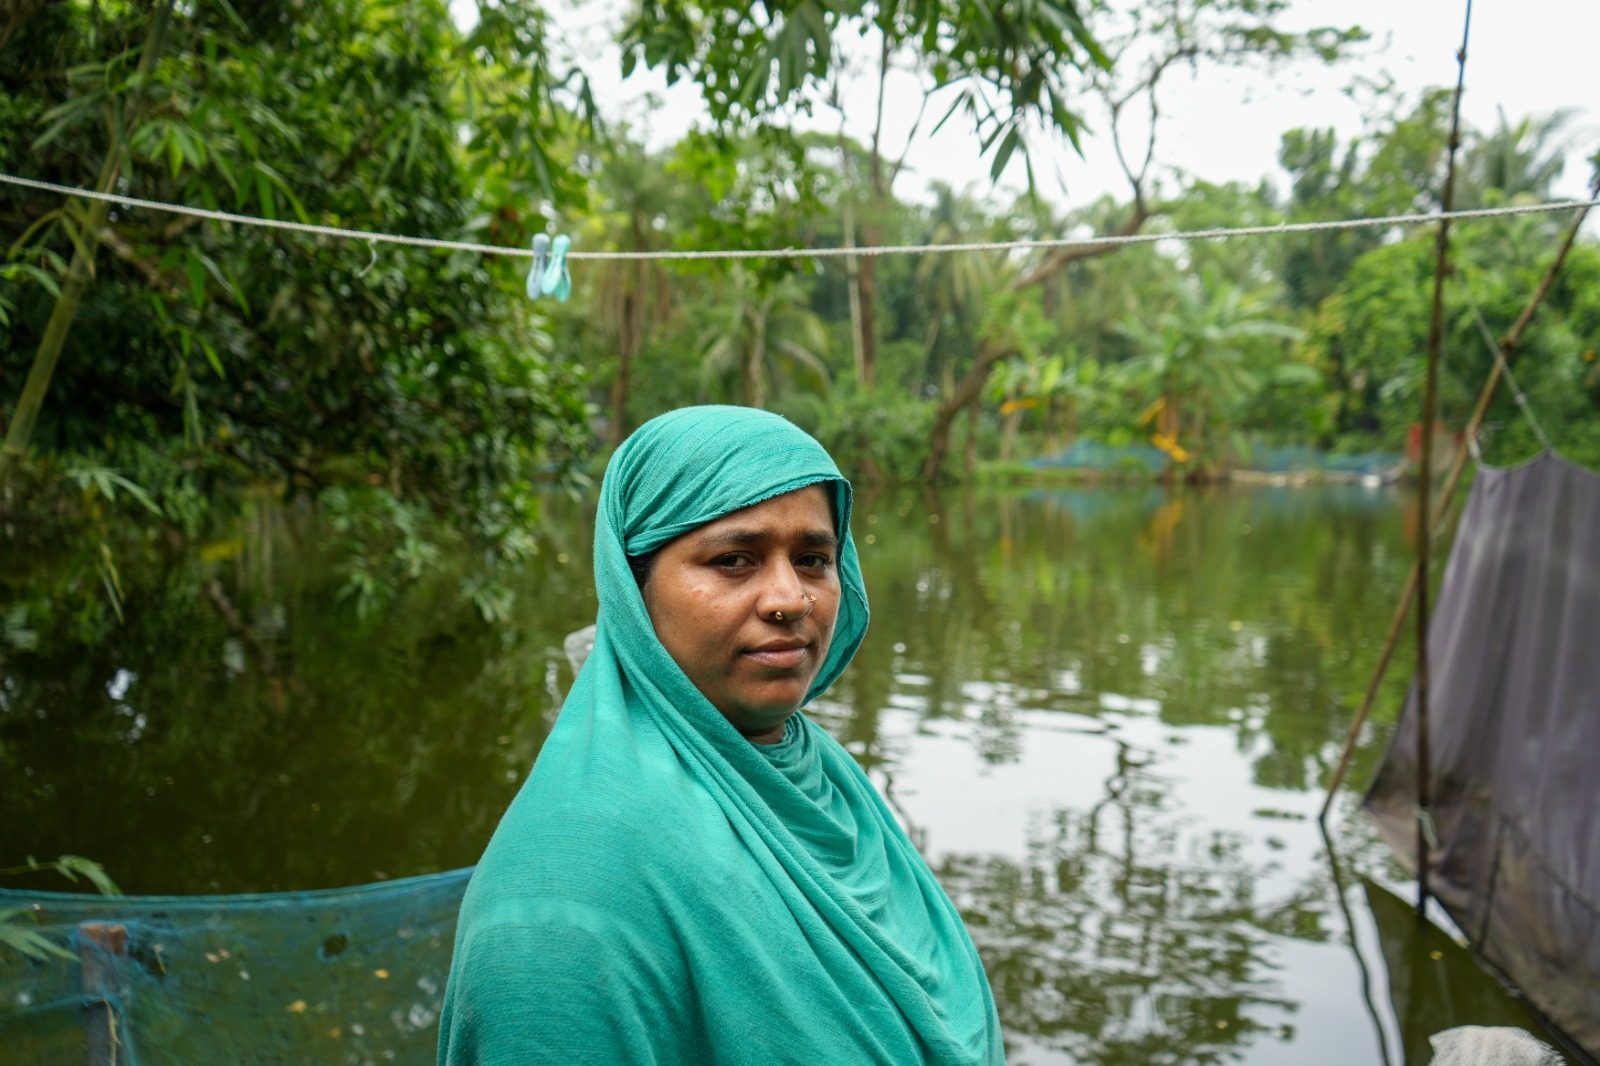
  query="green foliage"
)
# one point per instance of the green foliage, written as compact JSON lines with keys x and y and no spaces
{"x":205,"y":357}
{"x":1398,"y":169}
{"x":874,"y":435}
{"x":1376,"y":325}
{"x":1516,"y":161}
{"x":391,"y":384}
{"x":1201,"y":363}
{"x":1005,"y":63}
{"x":15,"y":933}
{"x":765,"y":335}
{"x":1283,"y":341}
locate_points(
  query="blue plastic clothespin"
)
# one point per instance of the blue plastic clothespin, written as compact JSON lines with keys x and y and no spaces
{"x":557,"y":280}
{"x":541,"y":260}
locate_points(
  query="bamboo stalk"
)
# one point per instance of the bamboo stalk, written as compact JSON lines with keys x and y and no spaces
{"x":1508,"y":348}
{"x":79,"y":273}
{"x":1430,"y":405}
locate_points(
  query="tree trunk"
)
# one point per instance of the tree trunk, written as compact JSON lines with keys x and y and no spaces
{"x":1008,"y":435}
{"x":619,"y":387}
{"x":755,"y":384}
{"x":971,"y":463}
{"x":959,"y":399}
{"x":852,"y":272}
{"x":938,"y":445}
{"x":867,"y":296}
{"x":20,"y":430}
{"x":629,"y":343}
{"x":880,"y":182}
{"x":1167,"y":422}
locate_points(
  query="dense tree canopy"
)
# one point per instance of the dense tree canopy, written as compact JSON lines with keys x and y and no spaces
{"x":203,"y":357}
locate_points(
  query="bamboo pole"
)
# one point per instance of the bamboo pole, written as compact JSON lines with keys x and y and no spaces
{"x":81,"y":271}
{"x":1507,"y":349}
{"x":1430,"y":405}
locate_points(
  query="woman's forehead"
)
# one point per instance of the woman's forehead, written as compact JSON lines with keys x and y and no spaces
{"x":806,"y":514}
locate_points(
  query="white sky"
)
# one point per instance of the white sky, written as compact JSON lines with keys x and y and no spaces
{"x":1527,"y":57}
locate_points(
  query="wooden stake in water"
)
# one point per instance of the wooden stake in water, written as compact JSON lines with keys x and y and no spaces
{"x":1430,"y":406}
{"x":100,"y":946}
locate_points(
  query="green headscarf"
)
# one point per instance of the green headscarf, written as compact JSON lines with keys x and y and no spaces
{"x":662,"y":890}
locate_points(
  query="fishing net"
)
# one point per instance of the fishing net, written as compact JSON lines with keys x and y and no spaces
{"x":1097,"y":457}
{"x":1514,"y":654}
{"x":1287,"y":459}
{"x":1092,"y":455}
{"x":345,"y":976}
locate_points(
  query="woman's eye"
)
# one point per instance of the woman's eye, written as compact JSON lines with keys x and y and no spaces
{"x":730,"y":562}
{"x":816,"y":562}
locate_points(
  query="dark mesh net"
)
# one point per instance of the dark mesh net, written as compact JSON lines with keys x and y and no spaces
{"x":338,"y":976}
{"x":1514,"y":651}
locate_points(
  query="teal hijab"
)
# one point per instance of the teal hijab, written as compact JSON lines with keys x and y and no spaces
{"x":664,"y":891}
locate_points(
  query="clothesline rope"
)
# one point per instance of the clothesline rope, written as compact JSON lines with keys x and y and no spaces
{"x":1221,"y":233}
{"x":802,"y":253}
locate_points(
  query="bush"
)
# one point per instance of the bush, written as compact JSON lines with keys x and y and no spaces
{"x":875,"y":436}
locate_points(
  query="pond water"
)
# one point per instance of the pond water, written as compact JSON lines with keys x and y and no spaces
{"x":1103,"y":713}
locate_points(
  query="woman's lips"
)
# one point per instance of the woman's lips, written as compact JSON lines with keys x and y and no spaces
{"x":780,"y":657}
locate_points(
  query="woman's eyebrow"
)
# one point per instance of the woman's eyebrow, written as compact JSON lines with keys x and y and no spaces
{"x":744,"y":538}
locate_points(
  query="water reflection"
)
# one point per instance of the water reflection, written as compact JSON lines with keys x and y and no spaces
{"x":1105,"y":713}
{"x":245,"y":730}
{"x":1102,"y":713}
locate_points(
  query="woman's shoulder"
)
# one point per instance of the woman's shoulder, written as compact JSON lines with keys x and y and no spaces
{"x":606,"y":835}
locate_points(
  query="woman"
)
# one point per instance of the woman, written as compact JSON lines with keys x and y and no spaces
{"x":693,"y":872}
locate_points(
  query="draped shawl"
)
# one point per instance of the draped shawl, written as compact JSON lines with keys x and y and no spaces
{"x":662,"y":890}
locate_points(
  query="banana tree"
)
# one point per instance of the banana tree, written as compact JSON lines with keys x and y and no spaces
{"x":1057,"y":387}
{"x":1198,"y":363}
{"x":765,"y":335}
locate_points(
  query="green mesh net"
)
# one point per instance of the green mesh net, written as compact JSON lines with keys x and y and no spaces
{"x":1094,"y":456}
{"x":352,"y":975}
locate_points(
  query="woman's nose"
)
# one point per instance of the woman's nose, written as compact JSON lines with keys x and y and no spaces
{"x":783,"y":599}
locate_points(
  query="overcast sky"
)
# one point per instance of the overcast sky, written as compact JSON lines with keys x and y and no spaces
{"x":1527,"y":57}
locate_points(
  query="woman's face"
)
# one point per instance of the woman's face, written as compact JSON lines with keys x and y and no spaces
{"x":715,"y":595}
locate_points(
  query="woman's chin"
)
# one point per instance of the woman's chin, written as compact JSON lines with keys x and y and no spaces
{"x":760,"y":718}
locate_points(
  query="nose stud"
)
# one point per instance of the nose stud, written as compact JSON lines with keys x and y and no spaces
{"x":811,"y":604}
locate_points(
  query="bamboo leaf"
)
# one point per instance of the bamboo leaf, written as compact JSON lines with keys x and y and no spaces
{"x":232,"y":15}
{"x":29,"y":943}
{"x":226,"y":170}
{"x":88,"y":869}
{"x":1002,"y":154}
{"x":75,"y":234}
{"x":197,"y":279}
{"x":111,"y":580}
{"x":282,"y":186}
{"x":212,"y":357}
{"x":264,"y":193}
{"x":242,"y":131}
{"x":43,"y":220}
{"x":62,"y":117}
